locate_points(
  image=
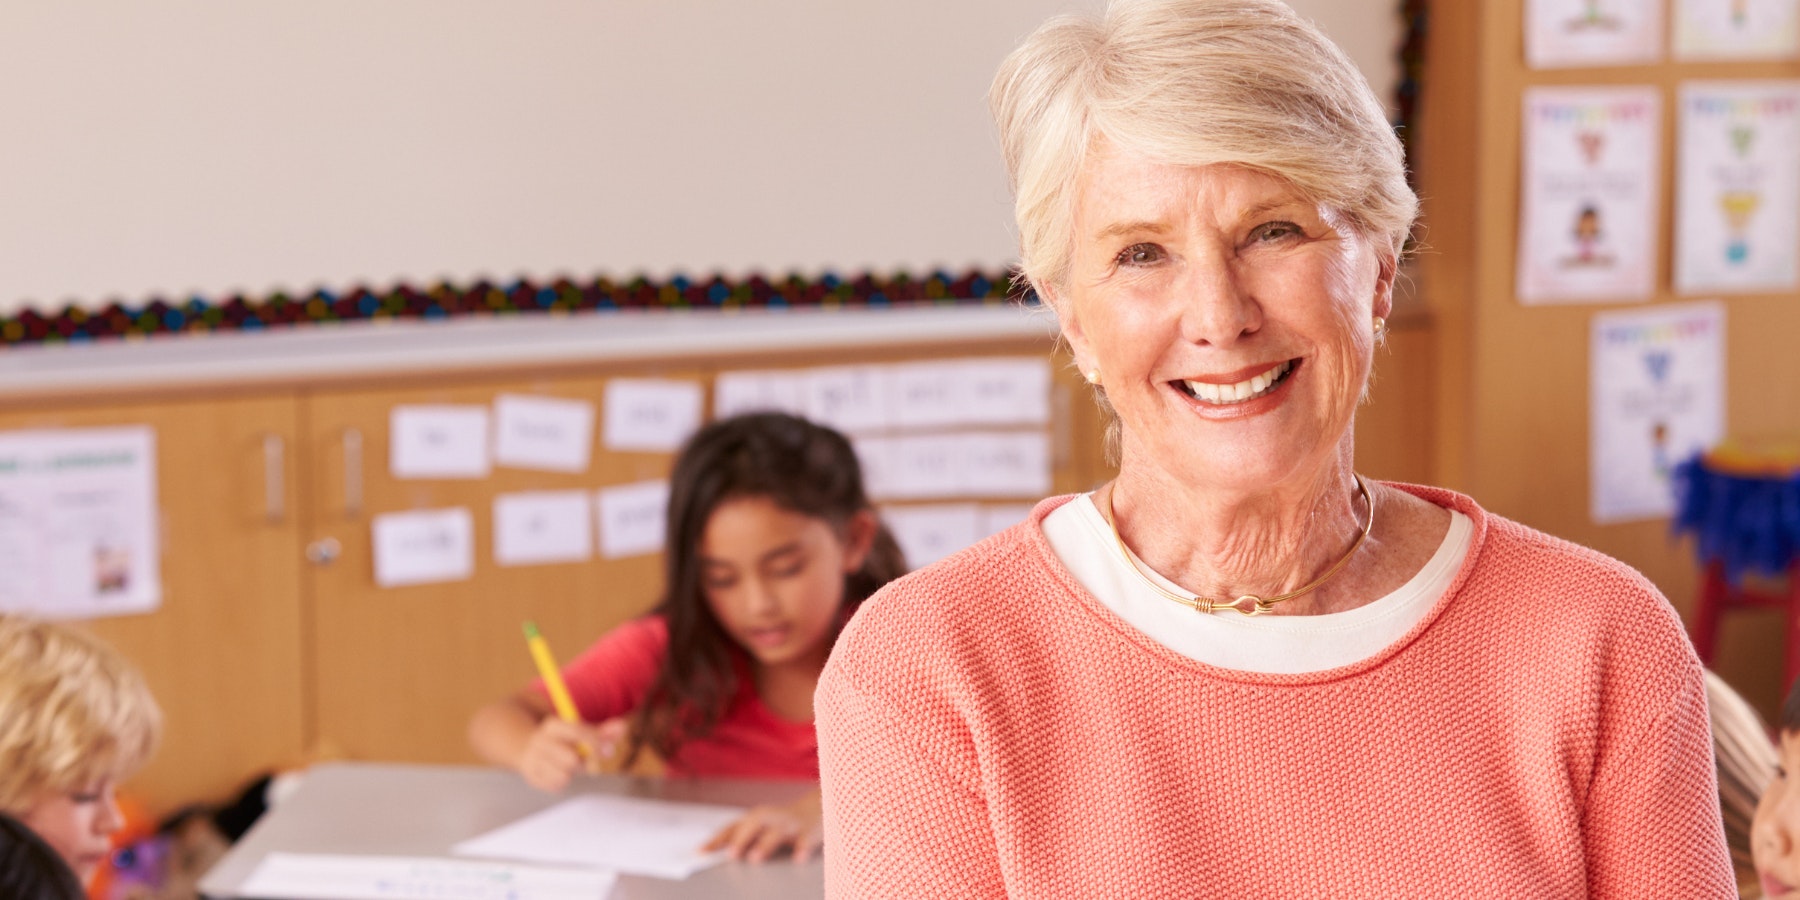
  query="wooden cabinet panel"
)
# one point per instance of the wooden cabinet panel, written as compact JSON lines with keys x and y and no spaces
{"x":399,"y":670}
{"x":223,"y":652}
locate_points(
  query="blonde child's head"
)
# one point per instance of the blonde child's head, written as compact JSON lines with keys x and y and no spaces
{"x":75,"y":718}
{"x":1746,"y":762}
{"x":1775,"y":832}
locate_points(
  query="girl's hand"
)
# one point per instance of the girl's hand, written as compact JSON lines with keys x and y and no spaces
{"x":767,"y":830}
{"x":557,"y":750}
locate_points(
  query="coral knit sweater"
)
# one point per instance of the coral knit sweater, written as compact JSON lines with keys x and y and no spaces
{"x":987,"y":729}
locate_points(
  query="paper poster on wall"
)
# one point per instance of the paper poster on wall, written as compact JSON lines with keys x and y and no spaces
{"x":447,"y":441}
{"x":78,"y":522}
{"x":1738,"y":190}
{"x":539,"y":527}
{"x":1592,"y":32}
{"x":548,"y":433}
{"x":651,"y":414}
{"x":929,"y":533}
{"x":1587,"y":229}
{"x":735,"y":393}
{"x":1657,"y":396}
{"x":1736,"y":30}
{"x":852,"y":399}
{"x":1004,"y":391}
{"x":423,"y":547}
{"x":632,"y":518}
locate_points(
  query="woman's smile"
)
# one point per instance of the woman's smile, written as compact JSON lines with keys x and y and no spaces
{"x":1236,"y":388}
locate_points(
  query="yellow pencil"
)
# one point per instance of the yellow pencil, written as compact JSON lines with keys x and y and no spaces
{"x":546,"y":665}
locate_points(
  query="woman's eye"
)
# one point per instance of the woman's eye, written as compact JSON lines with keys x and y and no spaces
{"x":1139,"y":255}
{"x":1275,"y":231}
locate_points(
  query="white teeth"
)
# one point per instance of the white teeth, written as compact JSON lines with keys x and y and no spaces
{"x":1255,"y":386}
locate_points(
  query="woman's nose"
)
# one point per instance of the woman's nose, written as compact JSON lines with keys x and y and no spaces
{"x":1217,"y":306}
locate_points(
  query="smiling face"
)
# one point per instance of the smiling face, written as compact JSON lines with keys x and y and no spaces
{"x":774,"y":578}
{"x":1776,"y":828}
{"x":1228,"y":315}
{"x":78,"y":824}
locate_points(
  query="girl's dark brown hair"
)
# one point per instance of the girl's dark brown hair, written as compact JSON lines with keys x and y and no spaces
{"x":804,"y":468}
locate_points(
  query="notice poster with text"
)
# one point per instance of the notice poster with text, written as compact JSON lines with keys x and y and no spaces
{"x":1587,"y":225}
{"x":78,"y":522}
{"x":1737,"y":224}
{"x":1592,"y":32}
{"x":1736,"y":30}
{"x":1657,"y":396}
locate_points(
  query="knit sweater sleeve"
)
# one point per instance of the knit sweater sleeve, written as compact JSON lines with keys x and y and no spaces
{"x":1651,"y":822}
{"x":898,"y":821}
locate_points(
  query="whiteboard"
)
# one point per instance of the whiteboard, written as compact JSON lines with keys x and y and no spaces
{"x":217,"y":146}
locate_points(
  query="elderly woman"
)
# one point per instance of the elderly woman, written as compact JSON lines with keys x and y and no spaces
{"x":1241,"y":669}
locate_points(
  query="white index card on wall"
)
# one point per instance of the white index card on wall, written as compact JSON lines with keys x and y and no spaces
{"x":926,"y":394}
{"x":929,"y":533}
{"x":1005,"y":391}
{"x":1006,"y":464}
{"x":633,"y":518}
{"x":424,"y":547}
{"x":851,"y":399}
{"x":535,"y":527}
{"x":549,"y":433}
{"x":926,"y":465}
{"x":736,"y":393}
{"x":447,"y":441}
{"x":876,"y":457}
{"x":653,"y":414}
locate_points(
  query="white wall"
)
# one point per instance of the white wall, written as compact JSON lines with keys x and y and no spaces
{"x":213,"y":146}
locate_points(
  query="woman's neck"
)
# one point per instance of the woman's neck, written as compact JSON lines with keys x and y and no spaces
{"x":1223,"y":543}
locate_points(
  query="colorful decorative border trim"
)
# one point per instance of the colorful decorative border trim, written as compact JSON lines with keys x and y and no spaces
{"x":75,"y":324}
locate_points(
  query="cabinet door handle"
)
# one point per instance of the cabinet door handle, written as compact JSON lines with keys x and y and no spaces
{"x":353,"y":473}
{"x":274,"y":478}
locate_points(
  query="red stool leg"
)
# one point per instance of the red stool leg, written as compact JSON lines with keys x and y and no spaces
{"x":1791,"y":667}
{"x":1709,"y":608}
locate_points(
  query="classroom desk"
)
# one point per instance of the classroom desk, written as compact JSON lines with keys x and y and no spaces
{"x":416,"y":810}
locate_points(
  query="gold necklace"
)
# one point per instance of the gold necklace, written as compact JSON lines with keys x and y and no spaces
{"x":1249,"y":604}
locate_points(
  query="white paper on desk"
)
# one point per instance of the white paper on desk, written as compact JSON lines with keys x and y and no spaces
{"x":735,"y":393}
{"x":307,"y":876}
{"x":1006,"y":464}
{"x":651,"y":414}
{"x":1589,"y":209}
{"x":629,"y":834}
{"x":1738,"y":188}
{"x":928,"y":533}
{"x":424,"y":547}
{"x":633,"y":518}
{"x":549,"y":433}
{"x":852,"y":399}
{"x":79,"y":535}
{"x":1005,"y":391}
{"x":1593,"y":32}
{"x":534,"y":527}
{"x":1736,"y":30}
{"x":447,"y":441}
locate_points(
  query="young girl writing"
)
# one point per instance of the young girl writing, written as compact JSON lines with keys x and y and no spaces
{"x":75,"y":720}
{"x":771,"y":545}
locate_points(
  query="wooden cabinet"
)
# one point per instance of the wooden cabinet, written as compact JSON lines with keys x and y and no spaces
{"x":224,"y":652}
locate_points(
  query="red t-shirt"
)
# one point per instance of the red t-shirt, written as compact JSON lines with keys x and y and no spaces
{"x":612,"y":677}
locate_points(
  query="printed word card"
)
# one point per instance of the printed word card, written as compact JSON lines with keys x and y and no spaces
{"x":1658,"y":397}
{"x":973,"y":464}
{"x":547,"y":433}
{"x":1738,"y":191}
{"x":1592,"y":32}
{"x":438,"y":441}
{"x":1587,"y":230}
{"x":632,"y":518}
{"x":651,"y":414}
{"x":78,"y":522}
{"x":424,"y":547}
{"x":537,"y":527}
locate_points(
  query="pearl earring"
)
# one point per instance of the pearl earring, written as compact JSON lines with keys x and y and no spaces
{"x":1092,"y":376}
{"x":1380,"y":327}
